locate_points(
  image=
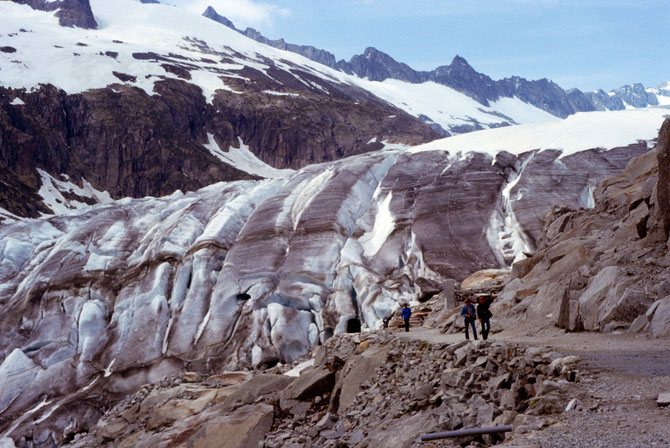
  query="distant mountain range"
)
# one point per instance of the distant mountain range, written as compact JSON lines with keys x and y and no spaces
{"x":459,"y":75}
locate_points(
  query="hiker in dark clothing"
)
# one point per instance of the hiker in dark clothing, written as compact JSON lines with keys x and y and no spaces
{"x":386,"y":321}
{"x":406,"y":313}
{"x":469,"y":313}
{"x":484,"y":315}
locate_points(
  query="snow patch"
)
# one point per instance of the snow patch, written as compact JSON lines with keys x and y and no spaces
{"x":271,"y":92}
{"x":245,"y":160}
{"x":586,"y":198}
{"x":384,"y":224}
{"x":450,"y":108}
{"x":17,"y":102}
{"x":52,"y":192}
{"x":295,"y":372}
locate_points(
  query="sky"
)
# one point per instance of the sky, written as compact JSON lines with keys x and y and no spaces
{"x":588,"y":44}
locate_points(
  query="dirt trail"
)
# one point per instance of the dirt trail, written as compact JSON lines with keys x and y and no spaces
{"x":620,"y":379}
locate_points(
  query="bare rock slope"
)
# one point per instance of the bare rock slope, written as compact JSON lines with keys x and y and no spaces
{"x":604,"y":269}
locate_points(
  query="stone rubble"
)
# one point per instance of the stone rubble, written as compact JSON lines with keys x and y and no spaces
{"x":364,"y":390}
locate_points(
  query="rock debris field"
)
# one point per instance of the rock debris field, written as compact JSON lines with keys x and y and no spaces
{"x":385,"y":388}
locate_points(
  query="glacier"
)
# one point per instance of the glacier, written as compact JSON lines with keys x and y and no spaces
{"x":96,"y":302}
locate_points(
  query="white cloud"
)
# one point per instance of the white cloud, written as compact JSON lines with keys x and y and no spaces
{"x":242,"y":13}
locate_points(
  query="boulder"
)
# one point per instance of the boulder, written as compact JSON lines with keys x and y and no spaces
{"x":663,"y":157}
{"x":390,"y":436}
{"x":230,"y":378}
{"x":258,"y":386}
{"x":111,"y":430}
{"x":663,"y":399}
{"x":310,"y":383}
{"x":244,"y":428}
{"x":639,"y":324}
{"x":360,"y":369}
{"x":175,"y":410}
{"x":660,"y":318}
{"x":632,"y":303}
{"x":485,"y":278}
{"x":605,"y":291}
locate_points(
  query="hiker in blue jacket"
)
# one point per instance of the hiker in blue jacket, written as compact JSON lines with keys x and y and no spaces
{"x":470,"y":315}
{"x":406,"y":313}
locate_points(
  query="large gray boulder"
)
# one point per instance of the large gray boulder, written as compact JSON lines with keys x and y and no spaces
{"x":659,"y":316}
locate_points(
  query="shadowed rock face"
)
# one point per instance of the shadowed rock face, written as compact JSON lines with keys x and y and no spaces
{"x":241,"y":274}
{"x":120,"y":139}
{"x":663,"y":155}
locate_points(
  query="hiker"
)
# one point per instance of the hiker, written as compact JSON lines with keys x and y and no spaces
{"x":406,"y":313}
{"x":386,"y":321}
{"x":470,"y":314}
{"x":484,"y":315}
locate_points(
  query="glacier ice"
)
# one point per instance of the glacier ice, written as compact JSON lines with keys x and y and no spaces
{"x":252,"y":273}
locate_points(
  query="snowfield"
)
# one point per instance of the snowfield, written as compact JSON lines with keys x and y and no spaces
{"x":584,"y":130}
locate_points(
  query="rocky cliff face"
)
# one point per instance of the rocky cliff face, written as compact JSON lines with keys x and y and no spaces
{"x":70,"y":13}
{"x":149,"y":134}
{"x":378,"y":66}
{"x":604,"y":269}
{"x":663,"y":185}
{"x":128,"y":143}
{"x":603,"y":101}
{"x":635,"y":95}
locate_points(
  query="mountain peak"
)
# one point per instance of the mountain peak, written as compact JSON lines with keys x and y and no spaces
{"x":459,"y":61}
{"x":378,"y":66}
{"x":211,"y":13}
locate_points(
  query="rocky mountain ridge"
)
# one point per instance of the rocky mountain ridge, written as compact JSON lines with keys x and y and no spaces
{"x":544,"y":94}
{"x":70,"y":13}
{"x":152,"y":132}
